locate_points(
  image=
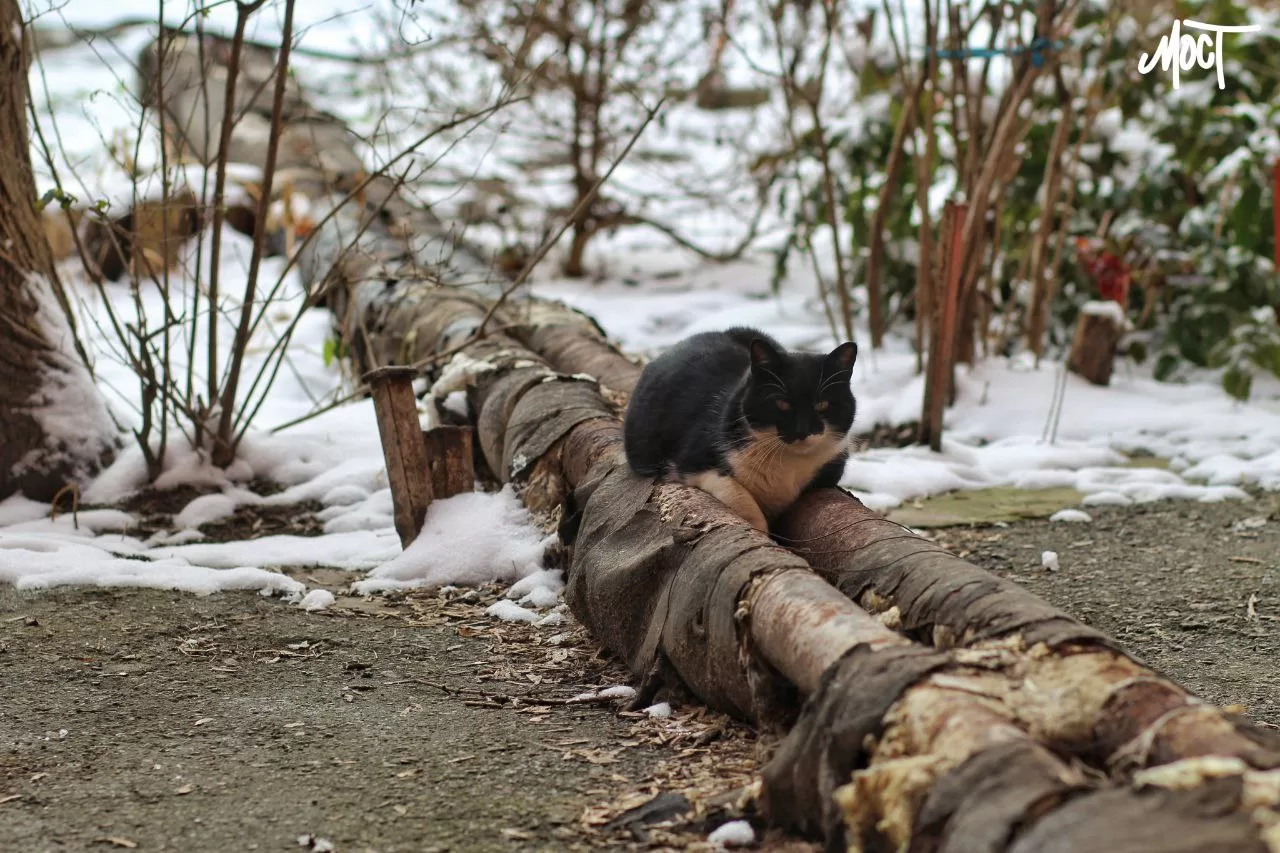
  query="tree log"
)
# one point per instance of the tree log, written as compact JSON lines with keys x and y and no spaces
{"x":1072,"y":686}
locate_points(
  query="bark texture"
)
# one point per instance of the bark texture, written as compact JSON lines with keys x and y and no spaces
{"x":54,"y":428}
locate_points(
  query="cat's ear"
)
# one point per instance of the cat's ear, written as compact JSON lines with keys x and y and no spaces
{"x":843,"y":356}
{"x":763,"y":354}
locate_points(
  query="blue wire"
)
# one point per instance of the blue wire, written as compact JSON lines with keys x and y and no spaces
{"x":1037,"y":50}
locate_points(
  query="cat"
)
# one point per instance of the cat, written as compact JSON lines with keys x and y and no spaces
{"x":735,"y":414}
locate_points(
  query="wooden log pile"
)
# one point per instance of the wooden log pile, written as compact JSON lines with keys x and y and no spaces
{"x":926,"y":704}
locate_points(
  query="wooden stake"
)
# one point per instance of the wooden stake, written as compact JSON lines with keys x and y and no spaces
{"x":450,"y":460}
{"x":402,"y":447}
{"x":1275,"y":214}
{"x":1093,"y":349}
{"x":942,"y":343}
{"x":1275,"y":218}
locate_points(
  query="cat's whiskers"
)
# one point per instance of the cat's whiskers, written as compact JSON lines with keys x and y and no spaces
{"x":832,"y":380}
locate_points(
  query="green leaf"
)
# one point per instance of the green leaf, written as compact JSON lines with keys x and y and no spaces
{"x":1165,"y":366}
{"x":330,"y":351}
{"x":1237,"y":382}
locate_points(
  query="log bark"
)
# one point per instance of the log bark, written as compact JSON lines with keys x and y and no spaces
{"x":54,"y":426}
{"x":1067,"y":682}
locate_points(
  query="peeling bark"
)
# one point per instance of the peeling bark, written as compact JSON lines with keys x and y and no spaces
{"x":1071,"y":685}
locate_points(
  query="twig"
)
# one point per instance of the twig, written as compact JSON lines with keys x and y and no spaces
{"x":583,"y":204}
{"x":224,"y":447}
{"x":528,"y":698}
{"x":243,"y":11}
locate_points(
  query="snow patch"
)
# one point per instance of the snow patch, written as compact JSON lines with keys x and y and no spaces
{"x":1049,"y":561}
{"x":509,"y":611}
{"x":317,"y":600}
{"x":1113,"y":311}
{"x":735,"y":833}
{"x":469,"y":539}
{"x":1076,"y":516}
{"x":205,"y":510}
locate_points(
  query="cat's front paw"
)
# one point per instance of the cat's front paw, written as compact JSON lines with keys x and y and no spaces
{"x":758,"y":521}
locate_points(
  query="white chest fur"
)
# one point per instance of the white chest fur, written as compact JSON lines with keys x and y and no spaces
{"x":775,"y":472}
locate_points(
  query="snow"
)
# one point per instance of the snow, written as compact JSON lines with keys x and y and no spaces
{"x":735,"y":833}
{"x":1075,"y":516}
{"x":1114,"y":311}
{"x":999,"y":433}
{"x":468,"y":539}
{"x":1049,"y":561}
{"x":317,"y":600}
{"x":204,"y":510}
{"x":618,"y":691}
{"x":42,"y":561}
{"x":509,"y":611}
{"x":661,"y":711}
{"x":70,"y":412}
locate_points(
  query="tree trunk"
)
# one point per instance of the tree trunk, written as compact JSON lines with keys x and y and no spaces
{"x":54,"y":426}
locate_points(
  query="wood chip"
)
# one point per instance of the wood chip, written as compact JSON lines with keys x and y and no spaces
{"x":1253,"y":560}
{"x":185,"y":789}
{"x":117,"y":841}
{"x":10,"y":798}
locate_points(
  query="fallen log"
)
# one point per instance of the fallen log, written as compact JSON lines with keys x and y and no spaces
{"x":945,"y":601}
{"x":1072,"y":686}
{"x":896,"y":743}
{"x":689,"y":597}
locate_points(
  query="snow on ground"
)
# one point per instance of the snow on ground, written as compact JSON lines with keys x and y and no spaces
{"x":648,"y":295}
{"x":468,"y":539}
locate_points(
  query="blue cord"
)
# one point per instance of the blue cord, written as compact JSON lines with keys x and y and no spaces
{"x":1037,"y":50}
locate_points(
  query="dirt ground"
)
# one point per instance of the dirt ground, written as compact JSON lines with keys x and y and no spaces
{"x":160,"y":721}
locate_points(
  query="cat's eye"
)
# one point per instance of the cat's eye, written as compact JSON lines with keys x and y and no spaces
{"x":822,"y":407}
{"x":783,"y":405}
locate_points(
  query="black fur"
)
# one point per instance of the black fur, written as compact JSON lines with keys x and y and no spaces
{"x":710,"y":393}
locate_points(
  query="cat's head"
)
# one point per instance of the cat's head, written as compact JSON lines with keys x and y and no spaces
{"x":805,"y":397}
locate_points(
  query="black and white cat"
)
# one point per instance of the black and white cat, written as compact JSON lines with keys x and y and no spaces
{"x":738,"y":416}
